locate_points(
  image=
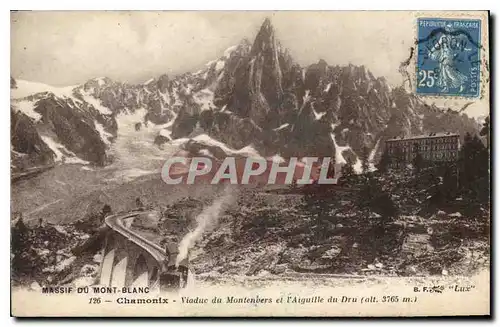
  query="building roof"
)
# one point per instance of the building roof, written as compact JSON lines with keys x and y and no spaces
{"x":423,"y":136}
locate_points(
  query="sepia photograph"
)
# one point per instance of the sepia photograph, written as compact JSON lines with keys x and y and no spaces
{"x":250,"y":163}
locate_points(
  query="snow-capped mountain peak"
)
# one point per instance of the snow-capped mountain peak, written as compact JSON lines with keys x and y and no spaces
{"x":253,"y":94}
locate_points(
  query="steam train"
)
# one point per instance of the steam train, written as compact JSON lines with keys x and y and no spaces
{"x":174,"y":276}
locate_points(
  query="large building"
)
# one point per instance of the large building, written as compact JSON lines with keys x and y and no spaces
{"x":434,"y":147}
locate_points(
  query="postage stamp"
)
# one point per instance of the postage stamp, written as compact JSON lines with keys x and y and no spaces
{"x":249,"y":164}
{"x":448,"y":59}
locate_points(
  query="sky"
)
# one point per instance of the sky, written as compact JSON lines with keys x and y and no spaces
{"x":68,"y":48}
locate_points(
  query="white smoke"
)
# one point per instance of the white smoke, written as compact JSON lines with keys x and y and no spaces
{"x":206,"y":221}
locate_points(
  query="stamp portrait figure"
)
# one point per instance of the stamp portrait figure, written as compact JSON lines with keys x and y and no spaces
{"x":445,"y":52}
{"x":448,"y":57}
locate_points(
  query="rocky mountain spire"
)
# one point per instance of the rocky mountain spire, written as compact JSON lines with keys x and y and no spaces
{"x":268,"y":76}
{"x":264,"y":39}
{"x":254,"y":93}
{"x":257,"y":86}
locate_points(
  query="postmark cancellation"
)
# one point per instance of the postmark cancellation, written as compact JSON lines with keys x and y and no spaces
{"x":448,"y":57}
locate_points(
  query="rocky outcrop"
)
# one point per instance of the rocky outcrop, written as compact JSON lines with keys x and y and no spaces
{"x":27,"y":147}
{"x":81,"y":122}
{"x":231,"y":129}
{"x":74,"y":129}
{"x":256,"y":83}
{"x":254,"y":94}
{"x":161,"y":139}
{"x":156,"y":96}
{"x":46,"y":254}
{"x":264,"y":98}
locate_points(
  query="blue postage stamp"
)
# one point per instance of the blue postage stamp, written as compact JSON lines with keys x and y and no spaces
{"x":448,"y":60}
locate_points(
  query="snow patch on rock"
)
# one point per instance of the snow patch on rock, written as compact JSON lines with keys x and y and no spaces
{"x":27,"y":88}
{"x":317,"y":116}
{"x":358,"y":166}
{"x":249,"y":150}
{"x":371,"y":156}
{"x":205,"y":98}
{"x":96,"y":104}
{"x":339,"y":158}
{"x":61,"y":265}
{"x":102,"y":132}
{"x":327,"y":88}
{"x":277,"y":158}
{"x":228,"y":51}
{"x":28,"y":108}
{"x":219,"y":65}
{"x":165,"y":133}
{"x":61,"y":152}
{"x":279,"y":128}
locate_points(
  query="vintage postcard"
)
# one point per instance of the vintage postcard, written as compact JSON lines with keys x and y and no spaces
{"x":243,"y":164}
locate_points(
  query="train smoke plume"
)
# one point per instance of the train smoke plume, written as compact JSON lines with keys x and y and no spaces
{"x":206,"y":221}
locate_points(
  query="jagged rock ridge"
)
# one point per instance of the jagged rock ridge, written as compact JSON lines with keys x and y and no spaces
{"x":255,"y":94}
{"x":266,"y":99}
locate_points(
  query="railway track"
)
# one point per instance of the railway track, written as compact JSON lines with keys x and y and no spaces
{"x":116,"y":222}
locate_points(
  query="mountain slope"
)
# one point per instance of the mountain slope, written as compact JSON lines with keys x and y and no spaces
{"x":71,"y":129}
{"x":80,"y":123}
{"x":265,"y":99}
{"x":255,"y":95}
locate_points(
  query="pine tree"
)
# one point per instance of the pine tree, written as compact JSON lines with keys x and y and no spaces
{"x":398,"y":157}
{"x":450,"y":184}
{"x":365,"y":154}
{"x":384,"y":205}
{"x":20,"y":241}
{"x":385,"y":162}
{"x":418,"y":161}
{"x":372,"y":198}
{"x":317,"y":203}
{"x":473,"y":161}
{"x":331,"y":167}
{"x":485,"y":131}
{"x":347,"y":173}
{"x":374,"y":229}
{"x":105,"y":211}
